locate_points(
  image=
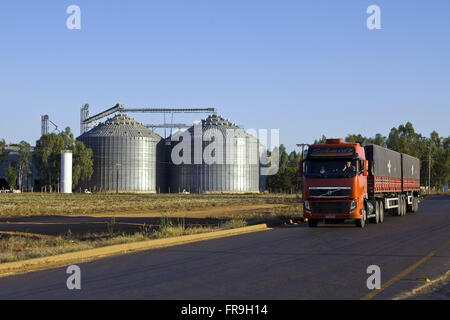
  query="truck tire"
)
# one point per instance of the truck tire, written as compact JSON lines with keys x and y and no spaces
{"x":415,"y":204}
{"x":409,"y":207}
{"x":377,"y":212}
{"x":312,"y":223}
{"x":400,"y":206}
{"x":361,"y":223}
{"x":381,"y":206}
{"x":398,"y":211}
{"x":376,"y":219}
{"x":405,"y":203}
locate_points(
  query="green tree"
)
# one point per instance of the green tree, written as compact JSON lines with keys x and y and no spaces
{"x":67,"y":139}
{"x":357,"y":138}
{"x":23,"y":165}
{"x":379,"y":139}
{"x":11,"y":175}
{"x":405,"y":139}
{"x":83,"y":163}
{"x":321,"y":140}
{"x":47,"y":157}
{"x":286,"y":179}
{"x":294,"y":159}
{"x":3,"y":152}
{"x":440,"y":160}
{"x":446,"y":164}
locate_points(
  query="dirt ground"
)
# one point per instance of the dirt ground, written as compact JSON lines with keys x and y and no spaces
{"x":134,"y":222}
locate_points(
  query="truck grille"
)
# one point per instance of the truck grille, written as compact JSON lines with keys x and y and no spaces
{"x":330,"y":206}
{"x":329,"y":192}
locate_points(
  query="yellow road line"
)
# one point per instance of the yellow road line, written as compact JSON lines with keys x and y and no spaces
{"x":404,"y":272}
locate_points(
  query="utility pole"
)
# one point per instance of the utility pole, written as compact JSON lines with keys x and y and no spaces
{"x":429,"y":171}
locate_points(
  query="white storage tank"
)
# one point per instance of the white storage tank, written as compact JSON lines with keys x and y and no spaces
{"x":66,"y":171}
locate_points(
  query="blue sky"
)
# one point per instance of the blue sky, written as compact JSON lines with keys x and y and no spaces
{"x":305,"y":67}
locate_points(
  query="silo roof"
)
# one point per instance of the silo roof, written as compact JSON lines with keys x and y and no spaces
{"x":217,"y":122}
{"x":121,"y":126}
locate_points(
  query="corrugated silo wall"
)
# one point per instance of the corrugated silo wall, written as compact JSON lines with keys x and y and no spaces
{"x":126,"y":163}
{"x":239,"y":176}
{"x":162,"y":166}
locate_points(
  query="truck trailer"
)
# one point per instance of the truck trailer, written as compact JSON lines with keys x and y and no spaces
{"x":343,"y":180}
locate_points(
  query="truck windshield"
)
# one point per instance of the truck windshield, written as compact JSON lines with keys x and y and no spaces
{"x":330,"y":168}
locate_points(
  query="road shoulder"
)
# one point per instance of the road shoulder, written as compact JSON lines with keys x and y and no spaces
{"x":12,"y":268}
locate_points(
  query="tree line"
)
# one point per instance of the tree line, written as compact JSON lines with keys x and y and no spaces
{"x":47,"y":154}
{"x":402,"y":139}
{"x":46,"y":159}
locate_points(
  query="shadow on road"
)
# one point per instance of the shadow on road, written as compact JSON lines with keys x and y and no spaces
{"x":60,"y":225}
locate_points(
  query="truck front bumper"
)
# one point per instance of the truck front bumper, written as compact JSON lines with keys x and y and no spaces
{"x":332,"y":216}
{"x":331,"y":209}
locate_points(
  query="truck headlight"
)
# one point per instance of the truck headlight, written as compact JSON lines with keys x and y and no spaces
{"x":353,"y":205}
{"x":307,"y":205}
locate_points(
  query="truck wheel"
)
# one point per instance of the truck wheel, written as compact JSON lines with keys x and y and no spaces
{"x":398,"y":211}
{"x":312,"y":223}
{"x":377,"y":212}
{"x":376,"y":219}
{"x":409,"y":207}
{"x":415,"y":204}
{"x":400,"y":206}
{"x":381,"y":206}
{"x":405,"y":202}
{"x":361,"y":223}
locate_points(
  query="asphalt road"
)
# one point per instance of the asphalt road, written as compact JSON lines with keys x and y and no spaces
{"x":294,"y":262}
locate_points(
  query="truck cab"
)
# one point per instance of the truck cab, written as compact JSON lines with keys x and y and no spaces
{"x":335,"y":182}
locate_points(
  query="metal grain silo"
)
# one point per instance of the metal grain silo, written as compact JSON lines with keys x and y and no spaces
{"x":124,"y":155}
{"x":233,"y":164}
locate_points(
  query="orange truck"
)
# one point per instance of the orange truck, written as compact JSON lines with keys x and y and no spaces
{"x":343,"y":180}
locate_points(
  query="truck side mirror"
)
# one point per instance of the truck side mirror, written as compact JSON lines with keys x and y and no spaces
{"x":366,"y":168}
{"x":300,"y":169}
